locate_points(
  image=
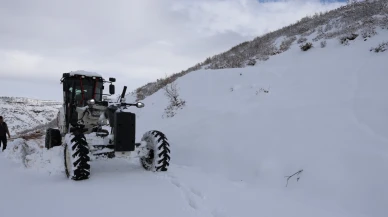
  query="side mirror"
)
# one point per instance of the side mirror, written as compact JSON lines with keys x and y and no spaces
{"x":139,"y":104}
{"x":112,"y":79}
{"x":111,"y":89}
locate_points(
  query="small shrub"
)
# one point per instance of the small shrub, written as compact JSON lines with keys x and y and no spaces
{"x":323,"y":44}
{"x":302,"y":40}
{"x":345,"y":39}
{"x":263,"y":58}
{"x":306,"y":46}
{"x":308,"y":32}
{"x":380,"y":48}
{"x":320,"y":30}
{"x":368,"y":33}
{"x":286,"y":44}
{"x":328,"y":27}
{"x":262,"y":90}
{"x":251,"y":62}
{"x":171,"y":91}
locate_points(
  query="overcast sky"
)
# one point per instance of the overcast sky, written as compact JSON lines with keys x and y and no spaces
{"x":135,"y":41}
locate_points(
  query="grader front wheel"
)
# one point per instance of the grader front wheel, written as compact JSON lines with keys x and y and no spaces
{"x":77,"y":159}
{"x":158,"y":157}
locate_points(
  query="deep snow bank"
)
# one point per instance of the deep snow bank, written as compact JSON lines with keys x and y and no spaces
{"x":31,"y":154}
{"x":326,"y":113}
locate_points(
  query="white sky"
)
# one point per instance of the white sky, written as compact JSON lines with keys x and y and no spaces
{"x":134,"y":41}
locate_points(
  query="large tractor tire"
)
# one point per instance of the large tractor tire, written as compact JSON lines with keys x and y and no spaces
{"x":77,"y":159}
{"x":158,"y":157}
{"x":53,"y":138}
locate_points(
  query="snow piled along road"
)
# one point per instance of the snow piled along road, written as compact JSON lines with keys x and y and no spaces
{"x":325,"y":113}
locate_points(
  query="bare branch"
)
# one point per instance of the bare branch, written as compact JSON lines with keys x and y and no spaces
{"x":297,"y":179}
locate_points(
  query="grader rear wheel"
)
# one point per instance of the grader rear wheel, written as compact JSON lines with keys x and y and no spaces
{"x":53,"y":138}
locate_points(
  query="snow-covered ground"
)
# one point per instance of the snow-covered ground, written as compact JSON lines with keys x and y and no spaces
{"x":232,"y":145}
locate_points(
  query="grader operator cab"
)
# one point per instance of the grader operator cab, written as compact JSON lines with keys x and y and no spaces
{"x":89,"y":126}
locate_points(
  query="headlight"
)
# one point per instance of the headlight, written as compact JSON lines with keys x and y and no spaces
{"x":91,"y":102}
{"x":139,"y":104}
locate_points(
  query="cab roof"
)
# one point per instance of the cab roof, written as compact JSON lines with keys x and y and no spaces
{"x":85,"y":73}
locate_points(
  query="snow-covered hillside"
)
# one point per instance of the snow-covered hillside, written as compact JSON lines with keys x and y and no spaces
{"x":240,"y":134}
{"x":325,"y":112}
{"x":23,"y":113}
{"x":360,"y":19}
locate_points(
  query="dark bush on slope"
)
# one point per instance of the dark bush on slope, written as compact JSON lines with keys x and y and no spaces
{"x":307,"y":46}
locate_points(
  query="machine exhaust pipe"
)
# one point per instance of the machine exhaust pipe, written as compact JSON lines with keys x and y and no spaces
{"x":122,"y":94}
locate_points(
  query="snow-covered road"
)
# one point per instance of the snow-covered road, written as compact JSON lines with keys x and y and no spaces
{"x":122,"y":188}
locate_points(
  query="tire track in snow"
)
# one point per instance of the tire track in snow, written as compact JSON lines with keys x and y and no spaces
{"x":194,"y":198}
{"x":189,"y":198}
{"x":191,"y":195}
